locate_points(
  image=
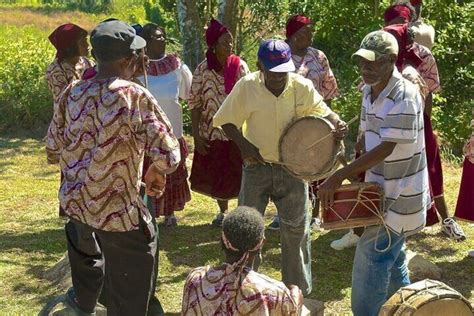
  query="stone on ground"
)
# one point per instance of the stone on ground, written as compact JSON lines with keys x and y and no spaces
{"x":312,"y":308}
{"x":420,"y":268}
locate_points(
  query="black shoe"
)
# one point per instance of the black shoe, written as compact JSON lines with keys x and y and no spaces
{"x":72,"y":303}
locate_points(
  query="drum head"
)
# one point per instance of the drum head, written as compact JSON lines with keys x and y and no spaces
{"x":309,"y":163}
{"x":426,"y":298}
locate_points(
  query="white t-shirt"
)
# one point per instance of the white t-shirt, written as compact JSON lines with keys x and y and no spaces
{"x":168,"y":89}
{"x":397,"y":116}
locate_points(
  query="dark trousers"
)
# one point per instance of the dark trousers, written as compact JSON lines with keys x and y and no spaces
{"x":122,"y":261}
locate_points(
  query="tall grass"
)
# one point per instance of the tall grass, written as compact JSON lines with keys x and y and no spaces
{"x":24,"y":97}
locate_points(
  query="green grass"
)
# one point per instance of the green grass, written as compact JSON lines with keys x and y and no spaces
{"x":32,"y":240}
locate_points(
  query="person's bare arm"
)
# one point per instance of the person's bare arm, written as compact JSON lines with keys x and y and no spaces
{"x":247,"y":149}
{"x":363,"y":163}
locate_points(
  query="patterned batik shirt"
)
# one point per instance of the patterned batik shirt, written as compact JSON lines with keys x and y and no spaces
{"x":428,"y":69}
{"x":60,"y":74}
{"x":208,"y":94}
{"x":100,"y":132}
{"x":315,"y":67}
{"x":211,"y":291}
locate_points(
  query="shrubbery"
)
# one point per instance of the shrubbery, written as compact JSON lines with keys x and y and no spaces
{"x":25,"y":100}
{"x":340,"y":26}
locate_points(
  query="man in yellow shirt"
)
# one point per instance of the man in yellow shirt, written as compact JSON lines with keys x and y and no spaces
{"x":262,"y":104}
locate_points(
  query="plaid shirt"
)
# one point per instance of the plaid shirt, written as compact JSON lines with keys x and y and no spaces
{"x":100,"y":132}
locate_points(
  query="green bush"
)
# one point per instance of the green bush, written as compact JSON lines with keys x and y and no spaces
{"x":25,"y":100}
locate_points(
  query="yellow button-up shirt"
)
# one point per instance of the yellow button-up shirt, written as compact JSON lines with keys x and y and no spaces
{"x":263,"y":116}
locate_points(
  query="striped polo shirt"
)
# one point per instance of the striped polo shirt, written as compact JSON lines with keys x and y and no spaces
{"x":397,"y":116}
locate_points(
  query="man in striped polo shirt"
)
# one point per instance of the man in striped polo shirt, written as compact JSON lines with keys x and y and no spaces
{"x":392,"y":128}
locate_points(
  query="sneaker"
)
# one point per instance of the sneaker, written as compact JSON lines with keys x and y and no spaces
{"x":348,"y":240}
{"x":275,"y":224}
{"x":471,"y":252}
{"x":315,"y":223}
{"x":217,"y":221}
{"x":452,"y":229}
{"x":171,"y":221}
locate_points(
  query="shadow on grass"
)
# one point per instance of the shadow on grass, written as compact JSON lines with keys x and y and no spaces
{"x":190,"y":246}
{"x":423,"y":242}
{"x":47,"y":242}
{"x":193,"y":246}
{"x":459,"y":275}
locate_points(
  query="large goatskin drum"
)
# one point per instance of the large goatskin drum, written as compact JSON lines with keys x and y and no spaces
{"x":303,"y":160}
{"x":427,"y":298}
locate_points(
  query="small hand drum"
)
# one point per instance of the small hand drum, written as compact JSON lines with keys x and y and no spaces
{"x":355,"y":205}
{"x":426,"y":298}
{"x":302,"y":157}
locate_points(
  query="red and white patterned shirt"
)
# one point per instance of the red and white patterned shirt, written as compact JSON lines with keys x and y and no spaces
{"x":100,"y":132}
{"x":211,"y":291}
{"x":208,"y":94}
{"x":428,"y":69}
{"x":315,"y":67}
{"x":60,"y":74}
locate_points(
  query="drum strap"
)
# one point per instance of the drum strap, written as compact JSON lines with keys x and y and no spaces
{"x":369,"y":204}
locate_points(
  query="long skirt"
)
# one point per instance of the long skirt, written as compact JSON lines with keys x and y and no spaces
{"x":435,"y":170}
{"x":219,"y":173}
{"x":465,"y":206}
{"x":177,"y":192}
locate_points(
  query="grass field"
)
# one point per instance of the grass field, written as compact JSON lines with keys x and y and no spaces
{"x":32,"y":240}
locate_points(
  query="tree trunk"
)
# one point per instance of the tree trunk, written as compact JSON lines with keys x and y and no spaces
{"x":228,"y":14}
{"x":192,"y":32}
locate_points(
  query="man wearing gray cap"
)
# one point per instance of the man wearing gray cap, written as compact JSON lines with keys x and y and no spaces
{"x":100,"y":131}
{"x":391,"y":128}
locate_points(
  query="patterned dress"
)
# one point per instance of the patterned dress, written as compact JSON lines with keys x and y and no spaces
{"x":170,"y":80}
{"x":428,"y":70}
{"x":465,"y":204}
{"x":100,"y":132}
{"x":211,"y":291}
{"x":60,"y":74}
{"x":217,"y":174}
{"x":315,"y":67}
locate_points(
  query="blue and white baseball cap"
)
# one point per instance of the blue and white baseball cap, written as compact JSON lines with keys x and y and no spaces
{"x":275,"y":55}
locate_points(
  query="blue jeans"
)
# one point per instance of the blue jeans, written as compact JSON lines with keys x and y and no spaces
{"x":290,"y":195}
{"x":377,"y":275}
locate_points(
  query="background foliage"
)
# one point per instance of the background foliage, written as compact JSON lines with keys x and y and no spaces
{"x":340,"y":25}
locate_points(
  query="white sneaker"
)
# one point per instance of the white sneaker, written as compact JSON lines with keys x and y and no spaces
{"x":315,"y":224}
{"x":471,"y":252}
{"x":348,"y":240}
{"x":452,"y":229}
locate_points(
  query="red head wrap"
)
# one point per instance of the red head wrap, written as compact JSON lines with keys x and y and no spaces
{"x":232,"y":66}
{"x":65,"y":36}
{"x":295,"y":23}
{"x":214,"y":31}
{"x":416,"y":2}
{"x":406,"y":53}
{"x":396,"y":11}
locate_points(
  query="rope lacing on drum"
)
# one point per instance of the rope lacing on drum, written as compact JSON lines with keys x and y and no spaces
{"x":369,"y":204}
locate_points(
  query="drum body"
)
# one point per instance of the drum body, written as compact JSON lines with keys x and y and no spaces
{"x":303,"y":160}
{"x":426,"y":298}
{"x":355,"y":205}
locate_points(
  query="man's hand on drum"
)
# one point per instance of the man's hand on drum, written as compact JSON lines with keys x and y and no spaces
{"x":341,"y":130}
{"x":250,"y":153}
{"x":327,"y":189}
